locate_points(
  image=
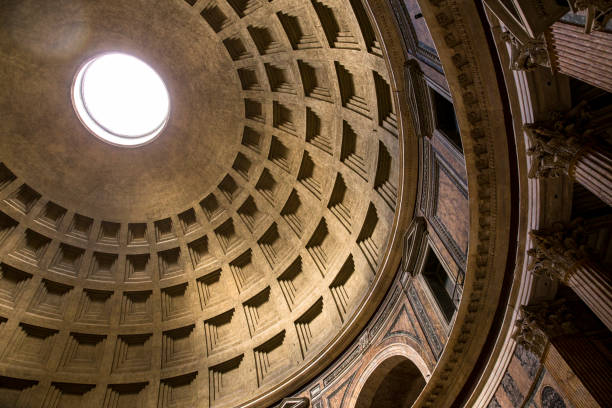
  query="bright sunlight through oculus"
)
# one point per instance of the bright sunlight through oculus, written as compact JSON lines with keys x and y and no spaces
{"x":120,"y":99}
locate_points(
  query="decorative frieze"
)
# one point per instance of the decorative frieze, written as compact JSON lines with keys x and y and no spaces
{"x":512,"y":390}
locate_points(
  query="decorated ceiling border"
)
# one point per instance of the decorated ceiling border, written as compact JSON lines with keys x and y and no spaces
{"x":456,"y":28}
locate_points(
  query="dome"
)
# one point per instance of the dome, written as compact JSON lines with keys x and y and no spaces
{"x":240,"y":238}
{"x":294,"y":204}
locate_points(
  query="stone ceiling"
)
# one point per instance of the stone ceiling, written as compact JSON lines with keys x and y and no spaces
{"x":218,"y":261}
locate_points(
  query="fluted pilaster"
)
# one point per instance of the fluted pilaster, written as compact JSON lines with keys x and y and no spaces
{"x":419,"y":99}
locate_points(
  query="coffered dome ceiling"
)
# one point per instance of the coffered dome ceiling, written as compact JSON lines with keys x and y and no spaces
{"x":221,"y":261}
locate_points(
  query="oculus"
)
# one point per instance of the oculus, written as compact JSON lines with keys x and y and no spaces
{"x":120,"y":99}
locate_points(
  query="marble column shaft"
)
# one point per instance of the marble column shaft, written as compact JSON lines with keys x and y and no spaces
{"x":580,"y":55}
{"x":594,"y":286}
{"x":593,"y":169}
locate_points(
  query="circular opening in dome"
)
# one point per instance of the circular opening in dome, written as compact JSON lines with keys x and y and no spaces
{"x":121,"y":99}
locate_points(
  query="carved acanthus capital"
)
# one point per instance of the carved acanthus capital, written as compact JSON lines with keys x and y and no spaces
{"x":598,"y":12}
{"x":556,"y":143}
{"x":557,"y":250}
{"x":548,"y":159}
{"x":539,"y":323}
{"x":529,"y":335}
{"x":526,"y":55}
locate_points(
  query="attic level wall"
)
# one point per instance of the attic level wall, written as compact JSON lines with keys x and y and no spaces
{"x":407,"y":325}
{"x":442,"y":197}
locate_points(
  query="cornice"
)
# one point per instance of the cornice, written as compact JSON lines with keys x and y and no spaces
{"x":471,"y":77}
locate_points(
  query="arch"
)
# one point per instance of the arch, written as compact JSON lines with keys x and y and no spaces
{"x":394,"y":378}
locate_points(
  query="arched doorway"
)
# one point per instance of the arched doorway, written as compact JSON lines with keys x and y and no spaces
{"x":395,"y":383}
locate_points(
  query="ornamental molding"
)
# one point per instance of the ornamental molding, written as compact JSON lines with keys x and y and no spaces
{"x":413,"y":244}
{"x":425,"y":169}
{"x":472,"y":93}
{"x":294,"y":403}
{"x":419,"y":99}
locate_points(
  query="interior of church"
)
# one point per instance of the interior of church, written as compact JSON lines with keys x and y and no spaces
{"x":305,"y":203}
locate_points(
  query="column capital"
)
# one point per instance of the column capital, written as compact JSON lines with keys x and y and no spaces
{"x":541,"y":322}
{"x":529,"y":335}
{"x":557,"y":250}
{"x":556,"y":143}
{"x":527,"y":55}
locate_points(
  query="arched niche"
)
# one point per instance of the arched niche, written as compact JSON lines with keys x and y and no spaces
{"x":394,"y":379}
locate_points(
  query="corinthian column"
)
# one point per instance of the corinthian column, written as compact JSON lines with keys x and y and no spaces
{"x":559,"y":253}
{"x":566,"y":145}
